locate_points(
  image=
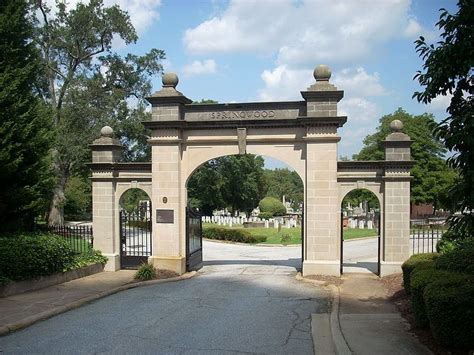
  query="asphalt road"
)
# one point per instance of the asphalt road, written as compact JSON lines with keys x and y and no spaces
{"x":244,"y":300}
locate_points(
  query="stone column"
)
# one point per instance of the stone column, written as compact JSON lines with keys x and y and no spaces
{"x":322,"y":210}
{"x":168,"y":189}
{"x":105,"y":152}
{"x":396,"y":234}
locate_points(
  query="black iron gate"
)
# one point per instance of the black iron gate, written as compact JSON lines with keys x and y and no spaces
{"x":135,"y":236}
{"x":193,"y":239}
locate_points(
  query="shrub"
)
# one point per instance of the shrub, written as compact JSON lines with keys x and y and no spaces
{"x":145,"y":272}
{"x":91,"y":256}
{"x":265,"y":215}
{"x":28,"y":256}
{"x":449,"y":306}
{"x":420,"y":279}
{"x":139,"y":224}
{"x":233,"y":235}
{"x":446,"y":243}
{"x":273,"y":206}
{"x":460,"y":258}
{"x":416,"y":261}
{"x":285,"y":239}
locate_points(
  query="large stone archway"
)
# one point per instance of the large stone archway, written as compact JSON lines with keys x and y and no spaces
{"x":303,"y":134}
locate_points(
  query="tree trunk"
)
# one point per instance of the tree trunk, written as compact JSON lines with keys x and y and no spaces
{"x":56,"y":209}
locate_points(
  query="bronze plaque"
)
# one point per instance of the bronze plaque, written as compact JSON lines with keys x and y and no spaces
{"x":164,"y":216}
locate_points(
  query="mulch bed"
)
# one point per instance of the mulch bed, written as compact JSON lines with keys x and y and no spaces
{"x":165,"y":274}
{"x":396,"y":293}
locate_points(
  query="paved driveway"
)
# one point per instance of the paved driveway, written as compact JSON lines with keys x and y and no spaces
{"x":245,"y":300}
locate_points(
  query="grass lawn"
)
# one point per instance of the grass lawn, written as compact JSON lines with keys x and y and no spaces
{"x":354,"y":233}
{"x":272,"y":234}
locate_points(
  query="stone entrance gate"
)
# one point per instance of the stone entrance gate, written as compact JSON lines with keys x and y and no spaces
{"x":302,"y":134}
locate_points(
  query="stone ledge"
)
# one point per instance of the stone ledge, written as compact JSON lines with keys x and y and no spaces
{"x":16,"y":287}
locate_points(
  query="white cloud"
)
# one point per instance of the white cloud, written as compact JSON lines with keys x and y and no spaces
{"x":440,"y":103}
{"x":198,"y":67}
{"x":283,"y":83}
{"x":303,"y":32}
{"x":358,"y":110}
{"x":142,"y":12}
{"x":358,"y":82}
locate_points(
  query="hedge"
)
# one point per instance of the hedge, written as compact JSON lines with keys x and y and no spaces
{"x":265,"y":215}
{"x":273,"y":206}
{"x":449,"y":306}
{"x":420,"y":278}
{"x":28,"y":256}
{"x":233,"y":235}
{"x":458,"y":259}
{"x":416,"y":261}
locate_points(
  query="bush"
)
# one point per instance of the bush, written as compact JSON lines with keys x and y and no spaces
{"x":233,"y":235}
{"x":265,"y":215}
{"x":459,"y":259}
{"x":139,"y":224}
{"x":420,"y":279}
{"x":416,"y":261}
{"x":273,"y":206}
{"x":91,"y":256}
{"x":446,"y":243}
{"x":449,"y":306}
{"x":28,"y":256}
{"x":285,"y":239}
{"x":145,"y":272}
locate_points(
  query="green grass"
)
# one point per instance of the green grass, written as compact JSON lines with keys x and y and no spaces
{"x":272,"y":234}
{"x":354,"y":233}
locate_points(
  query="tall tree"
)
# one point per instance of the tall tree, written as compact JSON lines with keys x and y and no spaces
{"x":24,"y":125}
{"x":89,"y":84}
{"x":284,"y":182}
{"x":448,"y":69}
{"x":244,"y":181}
{"x":431,"y":176}
{"x":236,"y":182}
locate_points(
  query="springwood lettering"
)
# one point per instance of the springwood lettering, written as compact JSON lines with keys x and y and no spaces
{"x":241,"y":114}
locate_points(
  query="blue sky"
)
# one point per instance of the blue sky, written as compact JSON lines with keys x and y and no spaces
{"x":256,"y":50}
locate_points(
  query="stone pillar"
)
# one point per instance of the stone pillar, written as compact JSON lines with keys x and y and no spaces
{"x":322,"y":210}
{"x":168,"y":189}
{"x":396,"y":234}
{"x":105,"y":152}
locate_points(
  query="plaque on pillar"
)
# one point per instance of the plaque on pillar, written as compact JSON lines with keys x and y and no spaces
{"x":164,"y":216}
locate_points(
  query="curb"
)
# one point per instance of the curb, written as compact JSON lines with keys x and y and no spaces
{"x":340,"y":344}
{"x":363,"y":238}
{"x":26,"y":322}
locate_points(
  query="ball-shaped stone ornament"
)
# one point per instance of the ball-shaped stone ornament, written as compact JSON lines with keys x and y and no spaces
{"x":322,"y":73}
{"x":396,"y":126}
{"x":107,"y":131}
{"x":170,"y":79}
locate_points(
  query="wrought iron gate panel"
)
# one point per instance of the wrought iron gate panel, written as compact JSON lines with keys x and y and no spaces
{"x":135,"y":236}
{"x":193,"y":239}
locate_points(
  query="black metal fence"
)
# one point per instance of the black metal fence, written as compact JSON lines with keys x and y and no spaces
{"x":80,"y":238}
{"x":424,"y":238}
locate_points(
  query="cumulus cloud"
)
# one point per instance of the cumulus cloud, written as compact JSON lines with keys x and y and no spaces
{"x":359,"y":82}
{"x":440,"y":103}
{"x":142,"y":12}
{"x":303,"y":32}
{"x":198,"y":67}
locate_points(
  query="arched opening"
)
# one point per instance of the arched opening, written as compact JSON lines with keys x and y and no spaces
{"x":135,"y":228}
{"x":360,"y":232}
{"x":249,"y":200}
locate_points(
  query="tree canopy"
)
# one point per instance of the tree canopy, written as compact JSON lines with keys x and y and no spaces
{"x":88,"y":85}
{"x":448,"y":70}
{"x":25,"y":132}
{"x":432,"y":178}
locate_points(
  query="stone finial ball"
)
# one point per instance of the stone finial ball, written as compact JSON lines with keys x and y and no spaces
{"x":396,"y":126}
{"x":107,"y":131}
{"x":170,"y":79}
{"x":322,"y":73}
